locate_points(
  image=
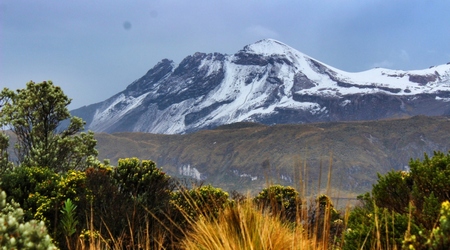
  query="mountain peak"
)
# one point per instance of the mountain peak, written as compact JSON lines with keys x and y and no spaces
{"x":268,"y":47}
{"x":267,"y":82}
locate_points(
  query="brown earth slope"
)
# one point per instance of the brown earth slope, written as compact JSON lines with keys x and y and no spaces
{"x":247,"y":156}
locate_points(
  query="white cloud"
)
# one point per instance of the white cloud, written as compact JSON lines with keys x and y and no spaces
{"x":404,"y":56}
{"x":383,"y":64}
{"x":261,"y":32}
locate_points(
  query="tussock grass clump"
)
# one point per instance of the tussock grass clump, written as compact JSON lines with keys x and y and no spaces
{"x":244,"y":226}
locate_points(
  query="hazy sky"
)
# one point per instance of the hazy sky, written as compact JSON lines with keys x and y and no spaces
{"x":94,"y":49}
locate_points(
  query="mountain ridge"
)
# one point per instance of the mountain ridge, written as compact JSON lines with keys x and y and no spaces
{"x":266,"y":82}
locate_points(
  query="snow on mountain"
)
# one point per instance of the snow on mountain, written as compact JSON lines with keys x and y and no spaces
{"x":267,"y":82}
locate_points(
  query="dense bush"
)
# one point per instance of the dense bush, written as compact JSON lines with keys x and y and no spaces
{"x":147,"y":184}
{"x":148,"y":192}
{"x":371,"y":227}
{"x":137,"y":192}
{"x":102,"y":196}
{"x":403,"y":205}
{"x":5,"y":164}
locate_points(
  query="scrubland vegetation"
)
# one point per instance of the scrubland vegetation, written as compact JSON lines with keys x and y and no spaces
{"x":59,"y":195}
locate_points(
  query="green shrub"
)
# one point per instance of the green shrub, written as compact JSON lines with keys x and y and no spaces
{"x":402,"y":205}
{"x":371,"y":227}
{"x":147,"y":184}
{"x":393,"y":191}
{"x":41,"y":193}
{"x":35,"y":189}
{"x":431,"y":187}
{"x":146,"y":191}
{"x":71,"y":185}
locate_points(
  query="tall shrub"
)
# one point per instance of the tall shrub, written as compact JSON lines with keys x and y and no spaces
{"x":35,"y":114}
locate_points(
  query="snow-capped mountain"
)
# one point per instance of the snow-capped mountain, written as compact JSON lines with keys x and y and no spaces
{"x":266,"y":82}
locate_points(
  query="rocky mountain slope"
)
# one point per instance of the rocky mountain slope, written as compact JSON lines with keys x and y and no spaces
{"x":266,"y":82}
{"x":247,"y":156}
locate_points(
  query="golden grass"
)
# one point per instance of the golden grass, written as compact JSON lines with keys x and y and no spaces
{"x":244,"y":226}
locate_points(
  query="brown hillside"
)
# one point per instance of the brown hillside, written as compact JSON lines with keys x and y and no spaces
{"x":232,"y":155}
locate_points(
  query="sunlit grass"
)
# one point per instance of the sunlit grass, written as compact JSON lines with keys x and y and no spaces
{"x":244,"y":226}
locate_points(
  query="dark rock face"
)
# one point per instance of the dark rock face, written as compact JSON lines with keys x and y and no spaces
{"x":301,"y":81}
{"x":243,"y":58}
{"x":153,"y":76}
{"x":423,"y":79}
{"x":195,"y":116}
{"x":188,"y":81}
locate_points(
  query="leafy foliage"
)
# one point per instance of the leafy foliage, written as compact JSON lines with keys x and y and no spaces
{"x":15,"y":233}
{"x":68,"y":220}
{"x":393,"y":190}
{"x":439,"y":238}
{"x":35,"y":114}
{"x":431,"y":186}
{"x":371,"y":227}
{"x":35,"y":189}
{"x":41,"y":192}
{"x":5,"y":164}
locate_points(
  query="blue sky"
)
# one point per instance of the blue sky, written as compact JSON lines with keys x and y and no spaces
{"x":94,"y":49}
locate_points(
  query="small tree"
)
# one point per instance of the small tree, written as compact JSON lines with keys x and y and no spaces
{"x":35,"y":114}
